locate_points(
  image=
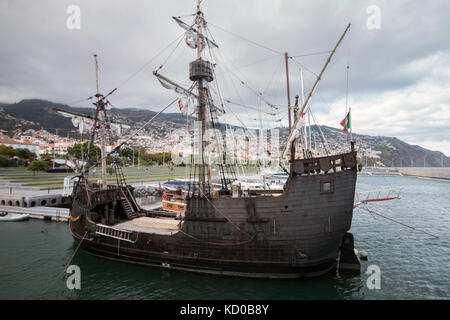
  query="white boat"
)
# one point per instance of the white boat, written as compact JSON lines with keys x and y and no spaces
{"x":10,"y":217}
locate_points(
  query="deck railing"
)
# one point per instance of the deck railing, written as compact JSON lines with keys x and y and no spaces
{"x":113,"y":232}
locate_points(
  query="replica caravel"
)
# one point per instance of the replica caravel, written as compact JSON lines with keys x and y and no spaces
{"x":295,"y":232}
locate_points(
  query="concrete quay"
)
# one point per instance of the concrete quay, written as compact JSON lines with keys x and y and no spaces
{"x":18,"y":197}
{"x":44,"y":213}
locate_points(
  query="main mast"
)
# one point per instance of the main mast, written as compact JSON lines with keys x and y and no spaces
{"x":200,"y":71}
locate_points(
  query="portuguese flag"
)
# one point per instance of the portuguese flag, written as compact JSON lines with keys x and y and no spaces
{"x":346,"y":122}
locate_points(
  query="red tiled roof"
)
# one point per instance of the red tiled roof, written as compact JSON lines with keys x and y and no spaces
{"x":11,"y":141}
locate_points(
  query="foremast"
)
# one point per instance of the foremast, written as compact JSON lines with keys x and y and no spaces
{"x":100,"y":104}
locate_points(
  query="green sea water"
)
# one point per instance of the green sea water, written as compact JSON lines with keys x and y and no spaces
{"x":413,"y":265}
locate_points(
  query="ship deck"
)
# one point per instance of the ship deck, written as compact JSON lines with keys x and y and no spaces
{"x":163,"y":226}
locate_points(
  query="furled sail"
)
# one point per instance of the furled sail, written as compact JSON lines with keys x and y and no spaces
{"x":171,"y":86}
{"x":185,"y":26}
{"x":165,"y":84}
{"x":85,"y":123}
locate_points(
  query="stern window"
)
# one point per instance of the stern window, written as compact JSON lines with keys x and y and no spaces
{"x":326,"y":187}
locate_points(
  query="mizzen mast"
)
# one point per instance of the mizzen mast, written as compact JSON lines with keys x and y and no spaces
{"x":305,"y":103}
{"x":286,"y":62}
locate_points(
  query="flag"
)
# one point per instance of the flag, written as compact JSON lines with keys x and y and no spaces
{"x":191,"y":39}
{"x":346,"y":122}
{"x":184,"y":103}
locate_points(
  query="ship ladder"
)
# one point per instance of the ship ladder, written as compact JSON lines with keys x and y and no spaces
{"x":127,"y":207}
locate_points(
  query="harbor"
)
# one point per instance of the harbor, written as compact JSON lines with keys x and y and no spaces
{"x":52,"y":204}
{"x":204,"y":151}
{"x":413,"y":265}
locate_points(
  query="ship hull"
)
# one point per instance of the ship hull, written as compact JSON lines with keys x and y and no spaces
{"x":294,"y":234}
{"x":239,"y":269}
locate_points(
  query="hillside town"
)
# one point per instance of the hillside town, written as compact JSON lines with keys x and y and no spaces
{"x":42,"y":142}
{"x":160,"y":140}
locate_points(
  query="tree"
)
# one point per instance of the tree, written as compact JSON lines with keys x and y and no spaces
{"x":110,"y":171}
{"x":90,"y":154}
{"x":46,"y":157}
{"x":7,"y":151}
{"x":39,"y":165}
{"x":23,"y":153}
{"x":127,"y":153}
{"x":4,"y":161}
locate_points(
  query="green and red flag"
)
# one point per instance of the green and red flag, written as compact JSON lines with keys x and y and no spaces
{"x":346,"y":122}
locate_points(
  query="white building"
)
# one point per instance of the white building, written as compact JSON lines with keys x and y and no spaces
{"x":20,"y":145}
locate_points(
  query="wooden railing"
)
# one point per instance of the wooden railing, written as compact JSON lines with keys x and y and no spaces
{"x":323,"y":165}
{"x":111,"y":232}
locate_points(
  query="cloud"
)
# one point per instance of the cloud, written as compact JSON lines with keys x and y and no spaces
{"x":417,"y":114}
{"x":398,"y":80}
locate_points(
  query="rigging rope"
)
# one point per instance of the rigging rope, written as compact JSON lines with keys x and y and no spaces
{"x":148,"y":62}
{"x":124,"y":142}
{"x":245,"y":39}
{"x":256,"y":92}
{"x":243,"y":124}
{"x":256,"y":62}
{"x":237,"y":93}
{"x":222,"y":214}
{"x":247,"y":106}
{"x":324,"y":142}
{"x":302,"y":66}
{"x":310,"y":54}
{"x":148,"y":122}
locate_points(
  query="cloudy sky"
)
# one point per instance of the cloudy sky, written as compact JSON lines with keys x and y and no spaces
{"x":399,"y":64}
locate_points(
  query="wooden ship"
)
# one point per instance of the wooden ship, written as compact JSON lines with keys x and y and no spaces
{"x":299,"y":231}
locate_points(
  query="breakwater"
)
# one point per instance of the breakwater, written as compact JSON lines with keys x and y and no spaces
{"x":425,"y":172}
{"x":437,"y":173}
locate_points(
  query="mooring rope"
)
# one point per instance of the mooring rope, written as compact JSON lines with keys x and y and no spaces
{"x":73,"y":255}
{"x":70,"y":260}
{"x":401,"y":223}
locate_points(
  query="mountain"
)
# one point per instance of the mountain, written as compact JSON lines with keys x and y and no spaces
{"x":387,"y":151}
{"x":374,"y":150}
{"x":43,"y":114}
{"x":9,"y":123}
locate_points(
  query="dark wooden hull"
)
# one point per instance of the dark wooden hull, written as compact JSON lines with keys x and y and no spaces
{"x":297,"y":233}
